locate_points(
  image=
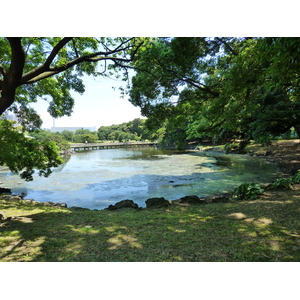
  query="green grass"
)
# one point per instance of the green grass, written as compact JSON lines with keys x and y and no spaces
{"x":267,"y":229}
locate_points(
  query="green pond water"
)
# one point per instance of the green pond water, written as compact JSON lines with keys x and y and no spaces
{"x":96,"y":179}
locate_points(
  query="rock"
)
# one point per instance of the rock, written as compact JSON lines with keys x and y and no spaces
{"x":31,"y":201}
{"x":48,"y":203}
{"x":220,"y":198}
{"x":60,"y":204}
{"x":157,"y":203}
{"x":22,"y":195}
{"x":123,"y":204}
{"x":5,"y":191}
{"x":193,"y":199}
{"x":15,"y":198}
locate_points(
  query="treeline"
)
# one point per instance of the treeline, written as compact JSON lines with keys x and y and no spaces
{"x":63,"y":139}
{"x":135,"y":130}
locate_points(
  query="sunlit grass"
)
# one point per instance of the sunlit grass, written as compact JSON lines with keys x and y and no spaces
{"x":267,"y":229}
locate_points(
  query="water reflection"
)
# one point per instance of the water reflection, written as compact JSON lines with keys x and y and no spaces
{"x":66,"y":158}
{"x":99,"y":178}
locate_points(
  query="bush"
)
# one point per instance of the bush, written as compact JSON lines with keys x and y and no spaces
{"x":296,"y":178}
{"x":248,"y":191}
{"x":281,"y":183}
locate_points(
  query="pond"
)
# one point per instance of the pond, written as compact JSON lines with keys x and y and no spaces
{"x":96,"y":179}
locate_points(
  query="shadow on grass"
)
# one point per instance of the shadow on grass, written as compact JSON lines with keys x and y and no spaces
{"x":65,"y":236}
{"x":260,"y":230}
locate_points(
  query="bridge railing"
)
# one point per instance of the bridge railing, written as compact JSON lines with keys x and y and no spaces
{"x":87,"y":146}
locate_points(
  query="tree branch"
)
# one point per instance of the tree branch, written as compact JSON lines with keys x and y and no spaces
{"x":200,"y":86}
{"x":75,"y":48}
{"x":45,"y":70}
{"x":123,"y":43}
{"x":227,"y":45}
{"x":55,"y":50}
{"x":190,"y":81}
{"x":46,"y":65}
{"x":52,"y":71}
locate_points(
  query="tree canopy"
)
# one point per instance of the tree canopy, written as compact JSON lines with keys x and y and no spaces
{"x":222,"y":88}
{"x":48,"y":68}
{"x":22,"y":154}
{"x":135,"y":130}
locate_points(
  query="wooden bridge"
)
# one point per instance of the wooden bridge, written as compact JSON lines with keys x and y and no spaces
{"x":100,"y":146}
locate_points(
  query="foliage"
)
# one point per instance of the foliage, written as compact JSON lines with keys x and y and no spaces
{"x":23,"y":154}
{"x":247,"y":191}
{"x":49,"y":68}
{"x":237,"y":88}
{"x":48,"y":136}
{"x":85,"y":138}
{"x":133,"y":130}
{"x":62,"y":139}
{"x":281,"y":183}
{"x":296,"y":178}
{"x":68,"y":135}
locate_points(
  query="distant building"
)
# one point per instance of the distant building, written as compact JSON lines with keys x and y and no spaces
{"x":73,"y":129}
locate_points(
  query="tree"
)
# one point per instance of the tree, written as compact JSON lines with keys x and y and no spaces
{"x":39,"y":67}
{"x":22,"y":154}
{"x":225,"y":81}
{"x":68,"y":135}
{"x":48,"y":68}
{"x":85,"y":138}
{"x":132,"y":130}
{"x":82,"y":131}
{"x":103,"y":133}
{"x":48,"y":136}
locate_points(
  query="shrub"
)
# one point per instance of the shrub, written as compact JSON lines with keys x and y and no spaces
{"x":248,"y":191}
{"x":281,"y":183}
{"x":296,"y":178}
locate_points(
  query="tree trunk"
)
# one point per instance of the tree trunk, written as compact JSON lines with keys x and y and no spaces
{"x":12,"y":79}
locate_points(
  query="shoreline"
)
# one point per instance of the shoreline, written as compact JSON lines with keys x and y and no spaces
{"x":158,"y":202}
{"x":285,"y":154}
{"x":287,"y":159}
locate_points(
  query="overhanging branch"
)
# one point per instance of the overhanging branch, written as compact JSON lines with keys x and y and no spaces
{"x":45,"y":70}
{"x":26,"y":78}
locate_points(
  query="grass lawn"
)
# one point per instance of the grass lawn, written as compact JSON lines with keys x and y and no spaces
{"x":266,"y":229}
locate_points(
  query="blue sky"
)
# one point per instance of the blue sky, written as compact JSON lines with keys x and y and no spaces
{"x":100,"y":105}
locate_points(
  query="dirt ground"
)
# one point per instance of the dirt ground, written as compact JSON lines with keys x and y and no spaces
{"x":286,"y":154}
